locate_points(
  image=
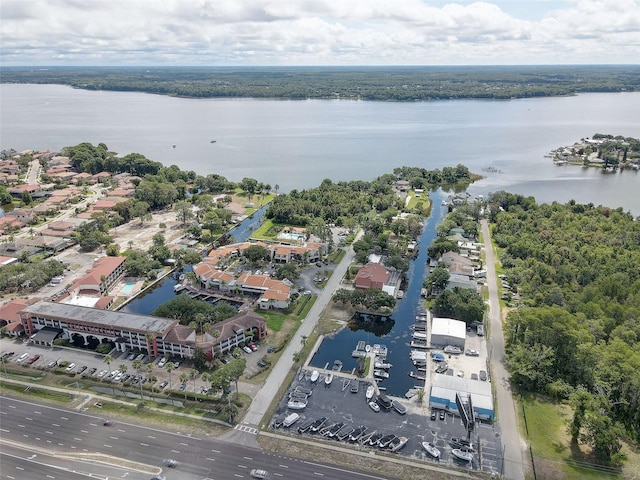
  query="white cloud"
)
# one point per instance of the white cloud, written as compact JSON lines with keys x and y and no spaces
{"x":313,"y":32}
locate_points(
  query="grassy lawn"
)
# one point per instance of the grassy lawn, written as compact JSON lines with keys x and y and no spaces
{"x":274,"y":319}
{"x":554,"y":456}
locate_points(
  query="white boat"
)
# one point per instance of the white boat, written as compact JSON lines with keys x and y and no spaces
{"x":314,"y":376}
{"x":370,"y":392}
{"x":328,"y":379}
{"x":290,"y":420}
{"x":374,"y":406}
{"x":452,"y":349}
{"x":381,"y":373}
{"x":296,"y":404}
{"x":431,"y":449}
{"x":378,"y":364}
{"x":462,"y":455}
{"x":397,"y":443}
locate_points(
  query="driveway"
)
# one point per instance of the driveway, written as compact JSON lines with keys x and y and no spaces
{"x":513,"y":444}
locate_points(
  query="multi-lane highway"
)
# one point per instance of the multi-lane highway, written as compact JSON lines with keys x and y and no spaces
{"x":130,"y":451}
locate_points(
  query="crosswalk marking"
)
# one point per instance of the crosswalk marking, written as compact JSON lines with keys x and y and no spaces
{"x":246,"y":428}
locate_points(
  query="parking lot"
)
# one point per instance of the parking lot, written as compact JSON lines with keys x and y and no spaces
{"x":85,"y":361}
{"x":341,"y":405}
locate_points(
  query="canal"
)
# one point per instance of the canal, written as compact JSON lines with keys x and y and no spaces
{"x":151,"y":299}
{"x":394,"y":332}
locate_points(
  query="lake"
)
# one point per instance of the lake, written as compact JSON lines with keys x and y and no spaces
{"x":296,"y":144}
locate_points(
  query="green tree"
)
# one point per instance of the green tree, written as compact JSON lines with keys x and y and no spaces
{"x":184,"y":212}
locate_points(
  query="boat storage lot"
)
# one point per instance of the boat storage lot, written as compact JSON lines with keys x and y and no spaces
{"x":340,"y":405}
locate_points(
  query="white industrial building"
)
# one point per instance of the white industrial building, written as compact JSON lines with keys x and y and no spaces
{"x":447,"y":331}
{"x":443,"y":395}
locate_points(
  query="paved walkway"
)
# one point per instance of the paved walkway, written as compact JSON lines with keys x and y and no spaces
{"x":513,"y":444}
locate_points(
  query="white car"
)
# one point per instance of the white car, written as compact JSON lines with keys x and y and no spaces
{"x":471,"y":352}
{"x":22,"y":357}
{"x":71,"y":367}
{"x":257,"y":473}
{"x":247,"y":349}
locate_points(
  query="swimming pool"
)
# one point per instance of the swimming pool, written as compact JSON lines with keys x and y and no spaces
{"x":127,"y":287}
{"x":292,"y":236}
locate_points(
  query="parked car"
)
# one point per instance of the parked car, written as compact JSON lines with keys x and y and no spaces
{"x":247,"y":349}
{"x":182,"y":387}
{"x":442,"y":414}
{"x":262,"y":363}
{"x":253,"y":347}
{"x":82,"y":369}
{"x":22,"y":357}
{"x":163,"y":384}
{"x":70,"y":367}
{"x":8,"y":354}
{"x":483,"y":375}
{"x":33,"y":359}
{"x":176,"y":364}
{"x":480,"y":330}
{"x":434,"y":414}
{"x":92,"y":370}
{"x":471,"y":352}
{"x":474,"y":376}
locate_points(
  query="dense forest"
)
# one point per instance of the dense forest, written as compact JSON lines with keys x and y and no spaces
{"x":363,"y":83}
{"x":576,"y":333}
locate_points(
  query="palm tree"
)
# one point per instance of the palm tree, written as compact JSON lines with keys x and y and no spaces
{"x":183,"y":379}
{"x":108,"y":359}
{"x":137,"y":364}
{"x":170,"y":368}
{"x":193,"y":374}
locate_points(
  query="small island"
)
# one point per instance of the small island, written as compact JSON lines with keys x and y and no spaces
{"x":602,"y":151}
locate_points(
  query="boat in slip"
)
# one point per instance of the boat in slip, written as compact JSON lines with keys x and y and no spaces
{"x":296,"y":404}
{"x":328,"y":379}
{"x":314,"y":376}
{"x":370,"y":392}
{"x":337,"y":365}
{"x":431,"y":449}
{"x":381,"y":373}
{"x":462,"y":454}
{"x":397,"y":443}
{"x":381,"y":365}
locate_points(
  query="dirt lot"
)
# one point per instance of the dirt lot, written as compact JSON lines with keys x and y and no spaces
{"x":141,"y":234}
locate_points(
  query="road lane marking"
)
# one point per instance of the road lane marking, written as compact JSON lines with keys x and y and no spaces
{"x":48,"y":432}
{"x":242,"y":466}
{"x":19,"y":468}
{"x":113,"y":438}
{"x":12,"y":406}
{"x":64,"y":418}
{"x":78,"y":439}
{"x":284,"y":466}
{"x":4,"y":430}
{"x":185,"y":444}
{"x":247,"y":458}
{"x":121,"y":430}
{"x":276,"y":474}
{"x":215,"y":451}
{"x":211,"y":459}
{"x":151,"y":436}
{"x":37,"y":413}
{"x":108,"y":446}
{"x":318,"y":474}
{"x":27,"y":418}
{"x":21,"y":426}
{"x":175,"y":451}
{"x":55,"y":424}
{"x":50,"y":476}
{"x":144,"y":444}
{"x":84,"y":431}
{"x":93,"y":424}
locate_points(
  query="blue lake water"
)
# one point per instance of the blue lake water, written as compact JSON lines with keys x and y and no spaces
{"x":393,"y":332}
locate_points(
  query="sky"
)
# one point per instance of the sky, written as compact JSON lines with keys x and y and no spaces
{"x":318,"y":32}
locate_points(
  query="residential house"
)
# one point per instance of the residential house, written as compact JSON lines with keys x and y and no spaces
{"x":372,"y":275}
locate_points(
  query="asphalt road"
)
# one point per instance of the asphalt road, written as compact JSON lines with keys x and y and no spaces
{"x":51,"y":429}
{"x":279,"y":371}
{"x":513,"y":464}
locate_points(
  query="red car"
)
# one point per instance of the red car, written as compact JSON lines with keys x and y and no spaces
{"x":253,"y":347}
{"x":33,"y":359}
